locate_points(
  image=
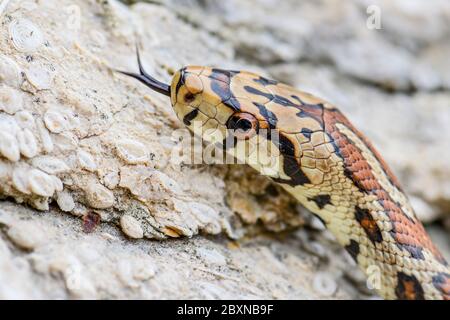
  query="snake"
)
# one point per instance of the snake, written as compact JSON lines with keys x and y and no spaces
{"x":320,"y":158}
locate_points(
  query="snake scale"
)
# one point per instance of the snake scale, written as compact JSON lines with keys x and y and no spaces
{"x":324,"y":162}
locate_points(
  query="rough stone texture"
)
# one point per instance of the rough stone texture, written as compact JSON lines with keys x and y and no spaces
{"x":85,"y":153}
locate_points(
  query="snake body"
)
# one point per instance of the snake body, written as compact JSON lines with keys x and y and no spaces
{"x":324,"y":162}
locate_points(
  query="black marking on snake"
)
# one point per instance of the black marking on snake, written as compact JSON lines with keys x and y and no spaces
{"x":369,"y":225}
{"x":298,"y":99}
{"x":306,"y":110}
{"x":284,"y":101}
{"x":233,"y":103}
{"x":234,"y":72}
{"x":416,"y":252}
{"x":291,"y":166}
{"x":190,"y":116}
{"x":222,"y":89}
{"x":270,"y":117}
{"x":408,"y":287}
{"x":265,"y":81}
{"x":285,"y":146}
{"x":307,"y":133}
{"x":221,"y":75}
{"x":353,"y":249}
{"x":347,"y":172}
{"x":441,"y":282}
{"x":318,"y":106}
{"x":257,"y":92}
{"x":314,"y":111}
{"x":181,"y":81}
{"x":321,"y":200}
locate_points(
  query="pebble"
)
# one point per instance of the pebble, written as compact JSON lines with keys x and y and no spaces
{"x":46,"y":140}
{"x":137,"y":269}
{"x":131,"y":227}
{"x":324,"y":284}
{"x":111,"y":180}
{"x":57,"y":183}
{"x":40,"y":77}
{"x":25,"y":35}
{"x":9,"y":72}
{"x":41,"y":183}
{"x":65,"y":201}
{"x":168,"y":184}
{"x":20,"y":179}
{"x":55,"y":121}
{"x":9,"y":147}
{"x":99,"y":197}
{"x":10,"y":100}
{"x":132,"y":151}
{"x":207,"y":217}
{"x":26,"y":235}
{"x":211,"y":256}
{"x":50,"y":165}
{"x":8,"y":124}
{"x":24,"y":119}
{"x":86,"y":161}
{"x":27,"y":143}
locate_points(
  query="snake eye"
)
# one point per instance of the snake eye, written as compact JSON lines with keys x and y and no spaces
{"x":244,"y":125}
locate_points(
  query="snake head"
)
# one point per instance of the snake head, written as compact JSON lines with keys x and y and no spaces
{"x":202,"y":99}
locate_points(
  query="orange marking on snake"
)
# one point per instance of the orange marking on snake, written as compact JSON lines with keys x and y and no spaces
{"x":331,"y":116}
{"x":369,"y":225}
{"x":409,"y":233}
{"x":408,"y":287}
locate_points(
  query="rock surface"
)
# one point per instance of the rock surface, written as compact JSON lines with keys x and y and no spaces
{"x":85,"y":154}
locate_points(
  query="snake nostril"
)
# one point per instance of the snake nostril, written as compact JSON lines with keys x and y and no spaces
{"x":189,"y":97}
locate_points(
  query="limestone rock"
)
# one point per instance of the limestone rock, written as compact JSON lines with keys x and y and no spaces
{"x":78,"y":140}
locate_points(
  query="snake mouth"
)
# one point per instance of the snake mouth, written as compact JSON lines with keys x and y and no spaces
{"x":147,"y":79}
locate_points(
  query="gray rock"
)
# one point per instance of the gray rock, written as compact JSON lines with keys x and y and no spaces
{"x":76,"y":135}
